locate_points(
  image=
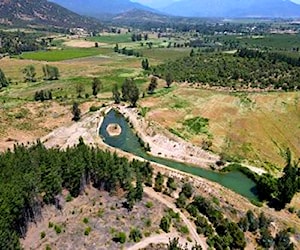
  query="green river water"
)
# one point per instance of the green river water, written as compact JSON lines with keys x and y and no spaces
{"x":128,"y":141}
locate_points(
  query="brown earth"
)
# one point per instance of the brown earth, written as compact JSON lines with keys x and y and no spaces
{"x":230,"y":201}
{"x":114,"y":129}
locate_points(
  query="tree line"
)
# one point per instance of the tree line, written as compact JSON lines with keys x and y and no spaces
{"x":34,"y":175}
{"x":240,"y":70}
{"x":278,"y":192}
{"x":15,"y":43}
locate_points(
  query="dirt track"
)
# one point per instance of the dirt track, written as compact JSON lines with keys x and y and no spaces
{"x":88,"y":129}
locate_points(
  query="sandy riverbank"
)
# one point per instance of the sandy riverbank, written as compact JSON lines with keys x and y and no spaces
{"x":164,"y":144}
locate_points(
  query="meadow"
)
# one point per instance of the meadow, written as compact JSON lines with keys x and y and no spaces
{"x":111,"y":39}
{"x":60,"y":54}
{"x":238,"y":124}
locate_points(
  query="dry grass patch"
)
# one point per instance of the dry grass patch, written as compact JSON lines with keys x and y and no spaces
{"x":256,"y":127}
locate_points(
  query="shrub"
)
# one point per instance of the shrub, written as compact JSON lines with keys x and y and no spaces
{"x":148,"y":223}
{"x":69,"y":198}
{"x":50,"y":224}
{"x":120,"y":237}
{"x":165,"y":223}
{"x":184,"y":230}
{"x":292,"y":209}
{"x":135,"y":235}
{"x":149,"y":204}
{"x":57,"y":229}
{"x":43,"y":235}
{"x":85,"y":220}
{"x":94,"y":108}
{"x":48,"y":247}
{"x":100,"y":212}
{"x":87,"y":231}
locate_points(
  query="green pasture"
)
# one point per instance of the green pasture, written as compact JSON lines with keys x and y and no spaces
{"x":60,"y":55}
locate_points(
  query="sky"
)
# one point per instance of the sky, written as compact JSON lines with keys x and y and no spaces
{"x":162,"y":3}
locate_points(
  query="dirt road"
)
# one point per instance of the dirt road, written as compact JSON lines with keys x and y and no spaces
{"x":193,"y":233}
{"x":157,"y":239}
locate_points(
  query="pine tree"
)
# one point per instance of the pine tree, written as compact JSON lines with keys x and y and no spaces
{"x":76,"y":112}
{"x":96,"y":86}
{"x":152,"y":85}
{"x":3,"y":80}
{"x":116,"y":94}
{"x":29,"y":73}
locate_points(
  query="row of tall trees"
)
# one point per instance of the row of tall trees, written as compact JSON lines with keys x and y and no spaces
{"x":33,"y":176}
{"x":241,"y":70}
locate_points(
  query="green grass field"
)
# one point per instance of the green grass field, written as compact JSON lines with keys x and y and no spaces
{"x":60,"y":55}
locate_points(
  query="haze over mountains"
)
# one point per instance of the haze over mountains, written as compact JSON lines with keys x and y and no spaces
{"x":51,"y":12}
{"x":190,"y":8}
{"x":96,"y":8}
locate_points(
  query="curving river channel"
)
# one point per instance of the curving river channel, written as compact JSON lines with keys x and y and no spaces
{"x":128,"y":141}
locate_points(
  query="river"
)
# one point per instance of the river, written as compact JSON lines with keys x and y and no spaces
{"x":128,"y":141}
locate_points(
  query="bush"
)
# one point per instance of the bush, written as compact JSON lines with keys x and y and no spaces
{"x":69,"y":198}
{"x":120,"y":237}
{"x":43,"y":235}
{"x":181,"y":201}
{"x":184,"y":230}
{"x":50,"y":224}
{"x":187,"y":190}
{"x":148,"y":223}
{"x":256,"y":203}
{"x":57,"y":229}
{"x":292,"y":210}
{"x":94,"y":108}
{"x":165,"y":223}
{"x":100,"y":212}
{"x":85,"y":220}
{"x":149,"y":204}
{"x":135,"y":235}
{"x":87,"y":231}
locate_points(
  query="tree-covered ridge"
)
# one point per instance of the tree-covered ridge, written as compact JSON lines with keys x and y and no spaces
{"x":244,"y":69}
{"x":33,"y":176}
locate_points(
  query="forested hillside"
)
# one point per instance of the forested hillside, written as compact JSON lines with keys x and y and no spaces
{"x":33,"y":176}
{"x":246,"y":68}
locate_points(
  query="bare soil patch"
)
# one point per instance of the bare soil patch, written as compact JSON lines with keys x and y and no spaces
{"x":100,"y":211}
{"x":82,"y":44}
{"x":164,"y":144}
{"x":114,"y":129}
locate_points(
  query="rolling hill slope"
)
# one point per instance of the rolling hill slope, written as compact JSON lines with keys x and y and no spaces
{"x":41,"y":13}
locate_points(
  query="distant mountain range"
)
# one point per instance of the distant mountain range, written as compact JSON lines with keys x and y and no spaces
{"x":190,"y":8}
{"x":234,"y":8}
{"x":41,"y":13}
{"x":51,"y":13}
{"x":96,"y":8}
